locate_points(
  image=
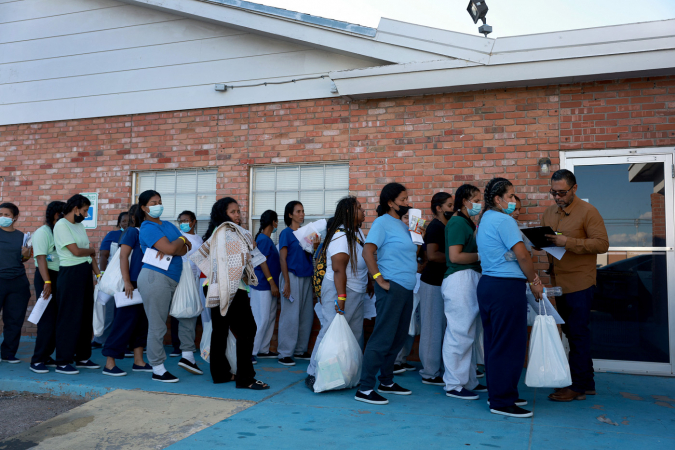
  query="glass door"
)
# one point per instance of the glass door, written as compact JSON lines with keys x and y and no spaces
{"x":633,"y":313}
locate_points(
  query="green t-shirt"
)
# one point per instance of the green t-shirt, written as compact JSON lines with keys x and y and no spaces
{"x":66,"y":233}
{"x":43,"y":244}
{"x":458,"y":231}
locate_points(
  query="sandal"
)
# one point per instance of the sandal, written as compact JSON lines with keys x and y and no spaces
{"x":257,"y":385}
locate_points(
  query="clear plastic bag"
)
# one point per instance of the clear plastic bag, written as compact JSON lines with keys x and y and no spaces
{"x":112,"y":281}
{"x":547,"y":365}
{"x":231,"y":352}
{"x":98,"y":321}
{"x":338,"y":358}
{"x":186,"y":302}
{"x":205,"y":343}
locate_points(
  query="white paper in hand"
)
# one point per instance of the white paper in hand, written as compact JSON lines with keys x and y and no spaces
{"x":291,"y":299}
{"x":39,"y":309}
{"x":150,"y":257}
{"x":556,"y":252}
{"x":415,"y":222}
{"x":121,"y":299}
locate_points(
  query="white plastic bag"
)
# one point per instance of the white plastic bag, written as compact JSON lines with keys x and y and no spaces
{"x":98,"y":321}
{"x":112,"y":281}
{"x":305,"y":234}
{"x":231,"y":353}
{"x":547,"y":365}
{"x":186,"y":302}
{"x":479,"y":342}
{"x":205,"y":343}
{"x":338,"y":358}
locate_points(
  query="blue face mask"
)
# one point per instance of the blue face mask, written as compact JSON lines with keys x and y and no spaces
{"x":122,"y":229}
{"x":156,"y":211}
{"x":185,"y":227}
{"x":475,"y":209}
{"x":6,"y":222}
{"x":510,"y":208}
{"x":274,"y":231}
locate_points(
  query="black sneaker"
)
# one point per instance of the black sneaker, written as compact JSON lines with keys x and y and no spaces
{"x":12,"y":360}
{"x":304,"y":356}
{"x":512,"y":411}
{"x":393,"y":389}
{"x":67,"y":370}
{"x":190,"y":366}
{"x":437,"y":381}
{"x":309,"y":382}
{"x":519,"y":402}
{"x":408,"y":367}
{"x":462,"y":394}
{"x":88,"y":364}
{"x":174,"y":353}
{"x":373,"y":398}
{"x":268,"y":355}
{"x":39,"y":368}
{"x":479,"y":374}
{"x":254,"y":360}
{"x":114,"y":372}
{"x":146,"y":368}
{"x":287,"y":361}
{"x":399,"y":369}
{"x":480,"y":388}
{"x":50,"y":363}
{"x":166,"y":378}
{"x":95,"y":344}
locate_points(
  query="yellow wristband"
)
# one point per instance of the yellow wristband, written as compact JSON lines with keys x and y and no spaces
{"x":376,"y":275}
{"x":270,"y":278}
{"x":48,"y":282}
{"x":184,"y":241}
{"x":342,"y":298}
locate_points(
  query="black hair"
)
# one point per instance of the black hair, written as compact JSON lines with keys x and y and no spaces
{"x":465,"y":192}
{"x":190,"y":214}
{"x":288,"y":211}
{"x":120,"y":217}
{"x":12,"y":207}
{"x":143,"y":200}
{"x":218,"y":215}
{"x":564,"y":174}
{"x":55,"y":207}
{"x":517,"y":199}
{"x":439,"y":200}
{"x":390,"y":192}
{"x":76,"y":201}
{"x":268,"y":218}
{"x":345,"y":216}
{"x":495,"y":187}
{"x":133,"y":215}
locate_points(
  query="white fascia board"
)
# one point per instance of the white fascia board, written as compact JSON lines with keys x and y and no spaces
{"x":428,"y":78}
{"x":443,"y":42}
{"x":281,"y":28}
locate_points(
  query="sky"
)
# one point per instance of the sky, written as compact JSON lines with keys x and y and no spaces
{"x":507,"y":17}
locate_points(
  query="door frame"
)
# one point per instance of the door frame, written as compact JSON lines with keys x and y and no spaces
{"x":569,"y":159}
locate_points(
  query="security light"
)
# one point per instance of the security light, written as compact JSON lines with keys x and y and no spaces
{"x":478,"y":10}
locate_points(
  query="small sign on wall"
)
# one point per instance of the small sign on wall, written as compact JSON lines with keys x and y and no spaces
{"x":92,"y":220}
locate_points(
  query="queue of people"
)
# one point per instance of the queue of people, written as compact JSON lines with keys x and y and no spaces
{"x":465,"y":286}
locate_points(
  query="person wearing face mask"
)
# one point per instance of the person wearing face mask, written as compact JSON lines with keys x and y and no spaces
{"x":433,"y":322}
{"x":157,"y":286}
{"x":297,"y":312}
{"x":459,"y":297}
{"x":187,"y":223}
{"x":75,"y":291}
{"x":14,"y":285}
{"x":265,"y":295}
{"x":501,"y":298}
{"x":46,"y":277}
{"x":395,"y":273}
{"x":519,"y":205}
{"x":109,"y":246}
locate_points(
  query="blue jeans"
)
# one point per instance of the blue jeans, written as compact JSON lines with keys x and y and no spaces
{"x":575,"y":309}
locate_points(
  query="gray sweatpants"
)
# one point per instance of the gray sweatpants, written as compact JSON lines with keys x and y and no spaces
{"x":433,"y":327}
{"x":296,"y":317}
{"x":353,"y":314}
{"x":157,"y":291}
{"x":264,"y":308}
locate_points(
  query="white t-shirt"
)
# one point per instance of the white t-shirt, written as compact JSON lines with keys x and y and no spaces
{"x":338,"y":244}
{"x":196,"y":242}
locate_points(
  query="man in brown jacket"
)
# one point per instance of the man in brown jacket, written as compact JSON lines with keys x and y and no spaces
{"x":581,"y":231}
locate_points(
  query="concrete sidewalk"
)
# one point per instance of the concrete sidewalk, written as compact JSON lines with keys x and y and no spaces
{"x":629,"y":412}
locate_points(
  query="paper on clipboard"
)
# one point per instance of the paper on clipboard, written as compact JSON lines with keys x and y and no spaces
{"x":556,"y":252}
{"x":550,"y":310}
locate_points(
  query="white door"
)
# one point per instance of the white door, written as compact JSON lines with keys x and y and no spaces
{"x":633,"y":313}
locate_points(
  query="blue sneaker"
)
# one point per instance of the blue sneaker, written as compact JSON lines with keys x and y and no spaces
{"x":39,"y":368}
{"x":50,"y":363}
{"x":254,"y":360}
{"x":114,"y":372}
{"x":462,"y":394}
{"x":11,"y":360}
{"x":145,"y":368}
{"x":88,"y":364}
{"x":67,"y":370}
{"x":480,"y":388}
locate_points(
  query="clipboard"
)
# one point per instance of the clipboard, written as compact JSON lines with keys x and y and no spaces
{"x":537,"y":236}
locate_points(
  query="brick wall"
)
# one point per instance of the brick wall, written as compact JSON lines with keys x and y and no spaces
{"x":428,"y":143}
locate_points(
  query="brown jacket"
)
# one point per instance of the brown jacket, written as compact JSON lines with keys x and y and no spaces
{"x":586,"y":238}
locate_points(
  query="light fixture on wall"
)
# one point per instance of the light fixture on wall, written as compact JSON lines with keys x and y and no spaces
{"x":544,"y":166}
{"x":478,"y":10}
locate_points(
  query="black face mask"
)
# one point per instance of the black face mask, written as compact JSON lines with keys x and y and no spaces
{"x":402,"y":211}
{"x":78,"y":218}
{"x":447,"y":214}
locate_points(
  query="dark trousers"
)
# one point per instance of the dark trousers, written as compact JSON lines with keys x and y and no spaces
{"x":575,"y":309}
{"x":75,"y":296}
{"x":14,"y":296}
{"x":45,"y":342}
{"x":239,"y":319}
{"x":503,"y":311}
{"x":394,"y":309}
{"x":129,"y":329}
{"x":175,"y":340}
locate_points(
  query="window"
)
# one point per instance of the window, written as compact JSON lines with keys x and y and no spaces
{"x":318,"y":187}
{"x":181,"y":190}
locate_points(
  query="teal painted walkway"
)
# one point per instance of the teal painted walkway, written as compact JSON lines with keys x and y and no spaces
{"x":629,"y":412}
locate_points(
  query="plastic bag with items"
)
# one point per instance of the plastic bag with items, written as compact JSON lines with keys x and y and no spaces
{"x":338,"y":358}
{"x":186,"y":302}
{"x":98,"y":320}
{"x":306,"y":234}
{"x":547,"y":364}
{"x":112,"y":282}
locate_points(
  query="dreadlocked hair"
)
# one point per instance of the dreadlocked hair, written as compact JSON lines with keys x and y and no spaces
{"x":218,"y":215}
{"x":55,"y":207}
{"x":495,"y":187}
{"x":345,"y":216}
{"x":268,"y":218}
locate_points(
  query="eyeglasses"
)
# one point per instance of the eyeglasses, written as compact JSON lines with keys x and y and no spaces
{"x":559,"y":193}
